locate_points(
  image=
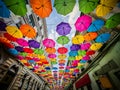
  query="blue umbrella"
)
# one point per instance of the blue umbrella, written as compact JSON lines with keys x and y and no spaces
{"x":83,"y":61}
{"x":47,"y":68}
{"x":54,"y":68}
{"x":4,"y":11}
{"x":13,"y":51}
{"x":102,"y":38}
{"x":31,"y":61}
{"x":73,"y":53}
{"x":96,"y":25}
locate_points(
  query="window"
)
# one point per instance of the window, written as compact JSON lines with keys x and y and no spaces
{"x":31,"y":20}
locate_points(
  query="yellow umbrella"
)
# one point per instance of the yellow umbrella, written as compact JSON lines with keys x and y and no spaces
{"x":105,"y":7}
{"x":41,"y":56}
{"x":78,"y":57}
{"x":14,"y":31}
{"x":77,"y":39}
{"x":62,"y":56}
{"x":53,"y":59}
{"x":23,"y":61}
{"x":96,"y":46}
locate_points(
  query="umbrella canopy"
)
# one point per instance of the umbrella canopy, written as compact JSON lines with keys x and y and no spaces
{"x":50,"y":50}
{"x":86,"y":57}
{"x":83,"y":22}
{"x":18,"y":7}
{"x":73,"y":53}
{"x":48,"y":42}
{"x":42,"y":8}
{"x":90,"y":52}
{"x":64,"y":7}
{"x":13,"y":51}
{"x":96,"y":25}
{"x":103,"y":38}
{"x":5,"y":13}
{"x":71,"y":58}
{"x":62,"y":50}
{"x":85,"y":46}
{"x":62,"y":61}
{"x":105,"y":7}
{"x":96,"y":46}
{"x":28,"y":31}
{"x":2,"y":26}
{"x":33,"y":43}
{"x":81,"y":52}
{"x":75,"y":47}
{"x":113,"y":21}
{"x":19,"y":48}
{"x":87,"y":6}
{"x":90,"y":36}
{"x":52,"y":55}
{"x":9,"y":37}
{"x":78,"y":39}
{"x":38,"y":51}
{"x":28,"y":50}
{"x":14,"y":31}
{"x":23,"y":54}
{"x":22,"y":42}
{"x":63,"y":40}
{"x":63,"y":28}
{"x":62,"y":56}
{"x":78,"y":57}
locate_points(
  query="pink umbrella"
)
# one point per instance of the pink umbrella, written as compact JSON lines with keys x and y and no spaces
{"x":86,"y":57}
{"x":52,"y":55}
{"x":22,"y":42}
{"x":85,"y":46}
{"x":83,"y":23}
{"x":48,"y":42}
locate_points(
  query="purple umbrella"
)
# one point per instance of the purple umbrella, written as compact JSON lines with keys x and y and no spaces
{"x":2,"y":26}
{"x":34,"y":44}
{"x":63,"y":28}
{"x":75,"y":47}
{"x":19,"y":49}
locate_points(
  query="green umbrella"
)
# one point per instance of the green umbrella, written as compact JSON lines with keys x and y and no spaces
{"x":71,"y":58}
{"x":63,"y":40}
{"x":86,"y":6}
{"x":38,"y":51}
{"x":18,"y":7}
{"x":113,"y":21}
{"x":64,"y":7}
{"x":53,"y":62}
{"x":81,"y":52}
{"x":23,"y":54}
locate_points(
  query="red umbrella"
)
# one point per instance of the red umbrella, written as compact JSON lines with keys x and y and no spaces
{"x":91,"y":52}
{"x":22,"y":42}
{"x":62,"y":50}
{"x":9,"y":37}
{"x":61,"y":67}
{"x":28,"y":50}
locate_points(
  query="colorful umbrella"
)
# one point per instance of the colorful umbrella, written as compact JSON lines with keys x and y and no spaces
{"x":14,"y":31}
{"x":113,"y":21}
{"x":73,"y":53}
{"x":62,"y":56}
{"x":2,"y":26}
{"x":5,"y":13}
{"x":23,"y":54}
{"x":81,"y":52}
{"x":96,"y":25}
{"x":75,"y":47}
{"x":86,"y":57}
{"x":28,"y":50}
{"x":63,"y":28}
{"x":62,"y":50}
{"x":83,"y":61}
{"x":38,"y":51}
{"x":42,"y":8}
{"x":13,"y":51}
{"x":9,"y":37}
{"x":64,"y":7}
{"x":85,"y":46}
{"x":90,"y":52}
{"x":103,"y":38}
{"x":96,"y":46}
{"x":63,"y":40}
{"x":22,"y":42}
{"x":78,"y":57}
{"x":17,"y":7}
{"x":28,"y":31}
{"x":52,"y":55}
{"x":105,"y":7}
{"x":48,"y":42}
{"x":71,"y":58}
{"x":87,"y":6}
{"x":78,"y":39}
{"x":19,"y":48}
{"x":90,"y":36}
{"x":62,"y":61}
{"x":33,"y":43}
{"x":83,"y":23}
{"x":50,"y":50}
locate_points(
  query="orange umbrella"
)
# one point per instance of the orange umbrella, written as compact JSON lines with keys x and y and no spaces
{"x":42,"y":8}
{"x":90,"y":36}
{"x":50,"y":50}
{"x":28,"y":31}
{"x":62,"y":61}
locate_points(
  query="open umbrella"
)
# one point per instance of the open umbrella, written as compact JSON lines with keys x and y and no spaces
{"x":5,"y":13}
{"x":62,"y":61}
{"x":90,"y":36}
{"x":14,"y":31}
{"x":50,"y":50}
{"x":81,"y":52}
{"x":2,"y":26}
{"x":48,"y":42}
{"x":73,"y":53}
{"x":85,"y":46}
{"x":62,"y":50}
{"x":19,"y":48}
{"x":113,"y":21}
{"x":22,"y":42}
{"x":86,"y":57}
{"x":10,"y":37}
{"x":33,"y":43}
{"x":103,"y":38}
{"x":105,"y":7}
{"x":78,"y":57}
{"x":52,"y":55}
{"x":90,"y":52}
{"x":38,"y":51}
{"x":96,"y":46}
{"x":64,"y":7}
{"x":18,"y":7}
{"x":63,"y":28}
{"x":83,"y":22}
{"x":71,"y":58}
{"x":28,"y":50}
{"x":24,"y":54}
{"x":75,"y":47}
{"x":63,"y":40}
{"x":87,"y":6}
{"x":96,"y":25}
{"x":13,"y":51}
{"x":28,"y":31}
{"x":78,"y":39}
{"x":62,"y":56}
{"x":42,"y":8}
